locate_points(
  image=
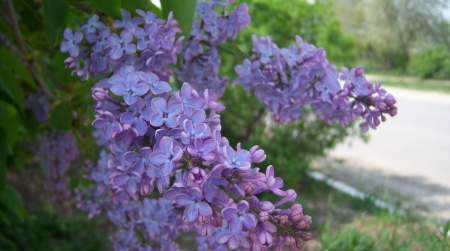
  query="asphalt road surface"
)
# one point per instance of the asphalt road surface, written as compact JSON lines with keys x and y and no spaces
{"x":411,"y":151}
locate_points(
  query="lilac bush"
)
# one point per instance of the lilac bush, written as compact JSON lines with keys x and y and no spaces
{"x":168,"y":168}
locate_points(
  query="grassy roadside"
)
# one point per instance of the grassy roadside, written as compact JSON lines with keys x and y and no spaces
{"x":411,"y":83}
{"x":419,"y":85}
{"x":341,"y":222}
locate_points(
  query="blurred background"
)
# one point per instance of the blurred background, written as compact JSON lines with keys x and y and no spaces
{"x":405,"y":163}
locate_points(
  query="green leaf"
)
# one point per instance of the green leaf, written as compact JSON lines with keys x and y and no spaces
{"x":10,"y":60}
{"x":55,"y":12}
{"x":183,"y":12}
{"x":8,"y":243}
{"x":132,"y":5}
{"x":3,"y":158}
{"x":61,"y":117}
{"x":12,"y":87}
{"x":110,"y":7}
{"x":10,"y":122}
{"x":10,"y":198}
{"x":74,"y":182}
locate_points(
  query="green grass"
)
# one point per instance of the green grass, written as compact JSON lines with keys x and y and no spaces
{"x":419,"y":85}
{"x":341,"y":222}
{"x":387,"y":232}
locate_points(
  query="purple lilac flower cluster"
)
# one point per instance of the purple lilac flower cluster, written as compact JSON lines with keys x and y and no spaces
{"x":147,"y":43}
{"x":155,"y":135}
{"x":200,"y":59}
{"x":57,"y":150}
{"x":155,"y":219}
{"x":285,"y":79}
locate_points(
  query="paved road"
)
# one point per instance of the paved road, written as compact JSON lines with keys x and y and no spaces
{"x":414,"y":146}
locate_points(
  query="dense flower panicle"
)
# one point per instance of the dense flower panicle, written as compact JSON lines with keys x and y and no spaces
{"x":210,"y":179}
{"x":284,"y":79}
{"x":57,"y":150}
{"x":144,"y":42}
{"x":169,"y":141}
{"x":200,"y":60}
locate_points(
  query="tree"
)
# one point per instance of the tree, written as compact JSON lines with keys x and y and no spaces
{"x":390,"y":30}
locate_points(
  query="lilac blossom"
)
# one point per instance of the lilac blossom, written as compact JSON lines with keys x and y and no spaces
{"x":167,"y":155}
{"x":137,"y":115}
{"x":121,"y":45}
{"x":130,"y":88}
{"x":71,"y":42}
{"x":194,"y":204}
{"x":164,"y":113}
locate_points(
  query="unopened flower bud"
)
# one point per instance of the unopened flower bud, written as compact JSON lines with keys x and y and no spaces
{"x":291,"y":195}
{"x":145,"y":188}
{"x":263,"y":216}
{"x":196,"y":175}
{"x":99,"y":94}
{"x":203,"y":219}
{"x":249,"y":188}
{"x":265,"y":239}
{"x":257,"y":155}
{"x":283,"y":219}
{"x":267,"y":206}
{"x":207,"y":230}
{"x":216,"y":219}
{"x":296,"y":215}
{"x":306,"y":236}
{"x":289,"y":240}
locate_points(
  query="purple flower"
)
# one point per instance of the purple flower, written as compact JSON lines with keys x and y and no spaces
{"x":156,"y":86}
{"x":190,"y":98}
{"x":122,"y":45}
{"x":150,"y":17}
{"x":161,"y":180}
{"x":108,"y":123}
{"x":146,"y":37}
{"x":140,"y":159}
{"x":191,"y":132}
{"x":233,"y":159}
{"x":194,"y":204}
{"x":127,"y":178}
{"x":213,"y":179}
{"x":238,"y":217}
{"x":92,"y":25}
{"x":71,"y":43}
{"x":204,"y":150}
{"x":273,"y":183}
{"x":164,"y":37}
{"x":128,"y":23}
{"x":100,"y":39}
{"x":137,"y":115}
{"x":362,"y":87}
{"x":130,"y":88}
{"x":166,"y":156}
{"x":165,"y":113}
{"x":291,"y":56}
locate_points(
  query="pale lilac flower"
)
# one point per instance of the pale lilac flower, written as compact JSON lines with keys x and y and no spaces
{"x":194,"y":204}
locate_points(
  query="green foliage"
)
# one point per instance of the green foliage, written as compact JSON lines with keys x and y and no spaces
{"x":350,"y":239}
{"x":55,"y":12}
{"x":431,"y":62}
{"x":183,"y":12}
{"x":385,"y":231}
{"x":46,"y":230}
{"x":61,"y":117}
{"x":110,"y":8}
